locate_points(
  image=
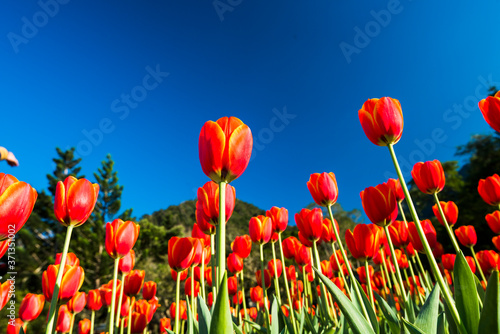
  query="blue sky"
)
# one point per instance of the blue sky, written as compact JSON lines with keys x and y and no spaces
{"x":139,"y":79}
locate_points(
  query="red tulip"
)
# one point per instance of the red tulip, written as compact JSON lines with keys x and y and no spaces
{"x":290,"y":246}
{"x":210,"y":299}
{"x":466,"y":235}
{"x":94,"y":302}
{"x":450,"y":210}
{"x":490,"y":107}
{"x":489,"y":189}
{"x":182,"y":310}
{"x":340,"y":259}
{"x":71,"y":259}
{"x":147,"y":308}
{"x":121,"y":237}
{"x":488,"y":260}
{"x":208,"y":275}
{"x":139,"y":322}
{"x":14,"y":327}
{"x":493,"y":220}
{"x":260,"y":229}
{"x":84,"y":326}
{"x":187,"y":287}
{"x":31,"y":307}
{"x":438,"y":250}
{"x":74,"y":200}
{"x":72,"y":280}
{"x":126,"y":263}
{"x":382,"y":120}
{"x":207,"y":206}
{"x":326,"y":268}
{"x":106,"y":291}
{"x":290,"y":273}
{"x":472,"y":263}
{"x":279,"y":267}
{"x":429,"y":176}
{"x":199,"y":234}
{"x":17,"y":200}
{"x":165,"y":324}
{"x":4,"y":246}
{"x":234,"y":263}
{"x":279,"y":218}
{"x":303,"y":255}
{"x":380,"y":204}
{"x":323,"y":188}
{"x":310,"y":223}
{"x":182,"y":252}
{"x":396,"y":187}
{"x":149,"y":290}
{"x":256,"y":294}
{"x":448,"y":261}
{"x":267,"y":278}
{"x":232,"y":285}
{"x":327,"y":235}
{"x":77,"y":303}
{"x":429,"y":232}
{"x":399,"y":233}
{"x":63,"y":319}
{"x":364,"y":241}
{"x":238,"y":298}
{"x":134,"y":282}
{"x":362,"y":274}
{"x":183,"y":274}
{"x":225,"y":148}
{"x":242,"y":245}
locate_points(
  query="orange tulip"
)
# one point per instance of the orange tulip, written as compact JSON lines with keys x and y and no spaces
{"x":489,"y":189}
{"x":165,"y":324}
{"x":382,"y":120}
{"x":134,"y":282}
{"x":74,"y":200}
{"x":225,"y":148}
{"x":242,"y":245}
{"x":363,"y":242}
{"x":466,"y":235}
{"x":17,"y":200}
{"x":279,"y":218}
{"x":450,"y":210}
{"x":260,"y":229}
{"x":429,"y":232}
{"x":126,"y":263}
{"x":72,"y":280}
{"x":71,"y":259}
{"x":310,"y":223}
{"x":380,"y":204}
{"x":94,"y":302}
{"x":323,"y":188}
{"x":490,"y":107}
{"x":182,"y":252}
{"x":149,"y":290}
{"x":84,"y":326}
{"x":493,"y":220}
{"x":429,"y":176}
{"x":121,"y":237}
{"x":77,"y":303}
{"x":31,"y":307}
{"x":207,"y":206}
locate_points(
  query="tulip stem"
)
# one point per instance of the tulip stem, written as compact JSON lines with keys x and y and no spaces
{"x":177,"y":295}
{"x":384,"y":265}
{"x":478,"y":266}
{"x":120,"y":301}
{"x":192,"y":292}
{"x":213,"y":260}
{"x":348,"y":265}
{"x":395,"y":262}
{"x":324,"y":300}
{"x":92,"y":318}
{"x":341,"y":272}
{"x":122,"y":326}
{"x":423,"y":272}
{"x":432,"y":261}
{"x":113,"y":298}
{"x":287,"y":287}
{"x":202,"y":276}
{"x":413,"y":277}
{"x":221,"y":233}
{"x":60,"y":272}
{"x":129,"y":322}
{"x":71,"y":324}
{"x":276,"y":282}
{"x":369,"y":285}
{"x":244,"y":302}
{"x":446,"y":226}
{"x":263,"y":282}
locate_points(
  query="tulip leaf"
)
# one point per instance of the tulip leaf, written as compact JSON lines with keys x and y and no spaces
{"x":466,"y":294}
{"x":452,"y":326}
{"x":426,"y":319}
{"x":21,"y":331}
{"x":368,"y":306}
{"x":204,"y":316}
{"x":236,"y":329}
{"x":190,"y":319}
{"x":390,"y":315}
{"x":480,"y":289}
{"x":275,"y":327}
{"x":409,"y":308}
{"x":412,"y":329}
{"x":221,"y":319}
{"x":256,"y":326}
{"x":356,"y":321}
{"x":301,"y":319}
{"x":441,"y":325}
{"x":490,"y":316}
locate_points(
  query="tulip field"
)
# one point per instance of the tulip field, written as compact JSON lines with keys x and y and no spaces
{"x":300,"y":289}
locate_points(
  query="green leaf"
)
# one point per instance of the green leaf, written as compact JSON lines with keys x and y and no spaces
{"x":191,"y":326}
{"x":490,"y":317}
{"x":466,"y":294}
{"x":409,"y":308}
{"x":257,"y":327}
{"x":204,"y":316}
{"x":301,"y":319}
{"x":236,"y":329}
{"x":356,"y":321}
{"x":452,"y":326}
{"x":389,"y":314}
{"x":275,"y":327}
{"x":441,"y":325}
{"x":426,"y":319}
{"x":479,"y":288}
{"x":221,"y":319}
{"x":368,"y":306}
{"x":412,"y":329}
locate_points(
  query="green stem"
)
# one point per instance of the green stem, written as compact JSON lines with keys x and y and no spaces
{"x":276,"y":283}
{"x":326,"y":312}
{"x":287,"y":286}
{"x":122,"y":325}
{"x":221,"y":233}
{"x":478,"y":266}
{"x":72,"y":323}
{"x":213,"y":264}
{"x":395,"y":262}
{"x":263,"y":282}
{"x":113,"y":299}
{"x":120,"y":301}
{"x":413,"y":278}
{"x":341,"y":272}
{"x":202,"y":277}
{"x":192,"y":291}
{"x":432,"y":261}
{"x":447,"y":227}
{"x":129,"y":323}
{"x":306,"y":289}
{"x":423,"y":271}
{"x":244,"y":301}
{"x":369,"y":285}
{"x":177,"y":294}
{"x":92,"y":319}
{"x":55,"y":294}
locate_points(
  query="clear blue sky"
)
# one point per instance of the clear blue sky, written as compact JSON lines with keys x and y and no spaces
{"x":141,"y":78}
